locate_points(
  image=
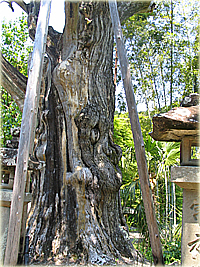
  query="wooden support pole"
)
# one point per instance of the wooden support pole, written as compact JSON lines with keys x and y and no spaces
{"x":138,"y":139}
{"x":27,"y":130}
{"x":115,"y":74}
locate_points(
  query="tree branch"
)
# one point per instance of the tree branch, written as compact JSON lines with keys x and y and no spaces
{"x":13,"y":82}
{"x":22,"y":4}
{"x":128,"y":9}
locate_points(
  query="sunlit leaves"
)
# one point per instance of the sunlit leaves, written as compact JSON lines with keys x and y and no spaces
{"x":10,"y":116}
{"x":15,"y":48}
{"x":150,"y":41}
{"x":14,"y":43}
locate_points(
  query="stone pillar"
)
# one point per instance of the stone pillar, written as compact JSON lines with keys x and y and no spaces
{"x":181,"y":124}
{"x":188,"y":178}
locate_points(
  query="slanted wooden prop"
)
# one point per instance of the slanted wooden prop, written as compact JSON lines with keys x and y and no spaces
{"x":138,"y":139}
{"x":27,"y":134}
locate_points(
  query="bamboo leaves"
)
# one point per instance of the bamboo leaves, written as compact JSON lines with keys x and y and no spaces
{"x":167,"y":196}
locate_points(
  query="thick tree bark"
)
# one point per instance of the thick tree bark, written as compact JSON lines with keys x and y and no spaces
{"x":76,"y":213}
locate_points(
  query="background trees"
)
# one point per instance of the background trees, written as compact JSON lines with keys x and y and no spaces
{"x":15,"y":47}
{"x":154,"y":41}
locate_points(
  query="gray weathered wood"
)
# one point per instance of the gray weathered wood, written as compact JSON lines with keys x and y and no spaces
{"x":138,"y":139}
{"x":27,"y":130}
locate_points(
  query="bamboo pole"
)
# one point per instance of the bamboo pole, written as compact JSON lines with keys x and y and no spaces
{"x":138,"y":139}
{"x":27,"y":130}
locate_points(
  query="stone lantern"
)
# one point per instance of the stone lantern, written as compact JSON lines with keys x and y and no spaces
{"x":181,"y":124}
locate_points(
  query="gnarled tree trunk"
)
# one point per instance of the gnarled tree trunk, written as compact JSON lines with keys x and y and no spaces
{"x":75,"y":213}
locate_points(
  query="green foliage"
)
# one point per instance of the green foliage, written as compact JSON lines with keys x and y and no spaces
{"x":10,"y":116}
{"x":14,"y":47}
{"x":163,"y":53}
{"x":163,"y":57}
{"x":14,"y":43}
{"x":171,"y":243}
{"x":167,"y":197}
{"x":123,"y":137}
